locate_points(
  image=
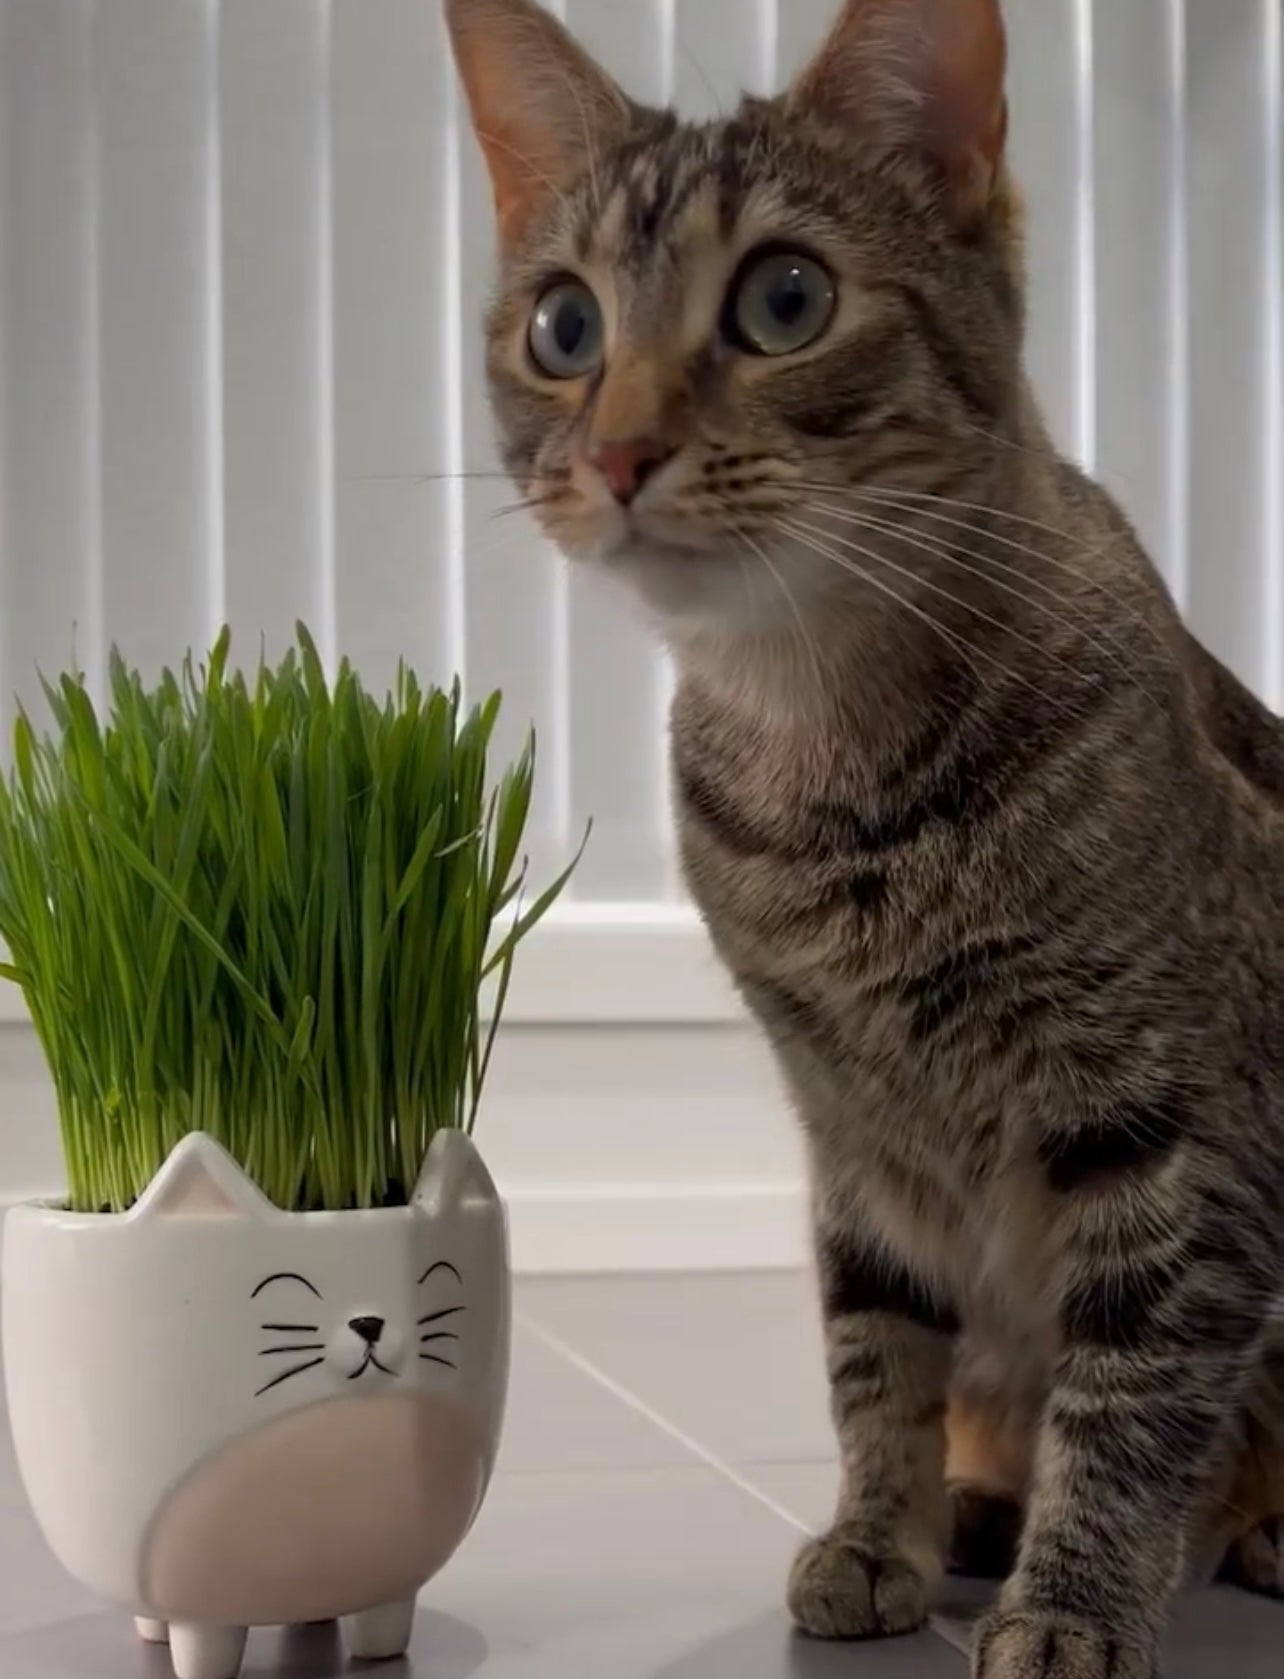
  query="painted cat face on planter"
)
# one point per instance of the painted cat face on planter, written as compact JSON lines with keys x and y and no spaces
{"x":232,"y":1415}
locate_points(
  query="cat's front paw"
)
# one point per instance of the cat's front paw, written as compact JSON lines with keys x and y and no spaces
{"x":1257,"y":1562}
{"x":1029,"y":1645}
{"x":841,"y":1588}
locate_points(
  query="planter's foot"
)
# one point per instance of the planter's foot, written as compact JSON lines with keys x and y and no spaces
{"x":152,"y":1632}
{"x":207,"y":1652}
{"x":380,"y":1635}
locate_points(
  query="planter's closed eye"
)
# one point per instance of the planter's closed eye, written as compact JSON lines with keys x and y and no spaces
{"x":285,"y":1277}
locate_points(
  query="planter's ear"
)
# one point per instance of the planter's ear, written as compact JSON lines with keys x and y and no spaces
{"x":454,"y":1175}
{"x":201,"y":1180}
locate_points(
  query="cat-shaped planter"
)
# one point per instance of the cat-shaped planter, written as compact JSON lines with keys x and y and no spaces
{"x":228,"y":1416}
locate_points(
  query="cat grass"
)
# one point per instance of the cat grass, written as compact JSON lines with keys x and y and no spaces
{"x":270,"y":909}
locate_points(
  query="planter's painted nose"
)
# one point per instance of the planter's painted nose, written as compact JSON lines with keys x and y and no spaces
{"x":369,"y":1329}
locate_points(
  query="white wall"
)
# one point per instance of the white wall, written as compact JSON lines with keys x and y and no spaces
{"x":243,"y":245}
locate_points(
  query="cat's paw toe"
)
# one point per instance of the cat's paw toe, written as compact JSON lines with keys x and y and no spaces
{"x":1257,"y":1561}
{"x":1035,"y":1646}
{"x":840,"y":1588}
{"x":985,"y":1534}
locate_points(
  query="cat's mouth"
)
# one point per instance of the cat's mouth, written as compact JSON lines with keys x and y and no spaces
{"x":369,"y":1362}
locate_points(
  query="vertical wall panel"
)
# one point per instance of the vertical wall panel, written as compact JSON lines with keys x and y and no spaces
{"x":390,"y":256}
{"x":1230,"y":310}
{"x":514,"y":586}
{"x":160,"y":316}
{"x":1273,"y":591}
{"x":615,"y":699}
{"x":801,"y":26}
{"x":1048,"y":133}
{"x":714,"y":62}
{"x":244,"y":252}
{"x":274,"y":87}
{"x":50,"y":575}
{"x":1138,"y":350}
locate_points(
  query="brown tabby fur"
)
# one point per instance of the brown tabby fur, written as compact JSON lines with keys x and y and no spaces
{"x":993,"y":848}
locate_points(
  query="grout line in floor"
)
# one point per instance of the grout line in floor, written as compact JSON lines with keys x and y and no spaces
{"x":637,"y":1404}
{"x":937,"y":1626}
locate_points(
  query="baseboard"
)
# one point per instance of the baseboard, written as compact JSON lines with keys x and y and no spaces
{"x":615,"y":1230}
{"x":612,"y":1231}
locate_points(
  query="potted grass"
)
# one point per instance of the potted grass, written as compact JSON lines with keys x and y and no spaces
{"x":257,"y":1359}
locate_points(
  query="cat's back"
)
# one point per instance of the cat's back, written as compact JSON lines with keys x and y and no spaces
{"x":1238,"y":727}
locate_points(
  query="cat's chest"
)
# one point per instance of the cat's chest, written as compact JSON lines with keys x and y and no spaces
{"x":803,"y":874}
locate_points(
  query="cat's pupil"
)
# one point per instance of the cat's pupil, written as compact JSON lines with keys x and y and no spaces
{"x":787,"y":299}
{"x":570,"y":324}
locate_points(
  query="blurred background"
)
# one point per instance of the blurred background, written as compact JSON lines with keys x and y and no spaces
{"x":244,"y":249}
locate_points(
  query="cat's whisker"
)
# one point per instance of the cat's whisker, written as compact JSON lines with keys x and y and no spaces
{"x":969,"y":651}
{"x":276,"y":1352}
{"x":809,"y":641}
{"x":956,"y":555}
{"x":894,"y":499}
{"x":436,"y":1317}
{"x":531,"y":506}
{"x":288,"y":1375}
{"x":528,"y":163}
{"x":844,"y":564}
{"x":956,"y":600}
{"x":497,"y":476}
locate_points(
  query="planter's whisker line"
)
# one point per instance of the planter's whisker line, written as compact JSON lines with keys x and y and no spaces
{"x":441,"y":1265}
{"x":314,"y":1347}
{"x":431,"y":1358}
{"x":286,"y":1375}
{"x":436,"y":1317}
{"x":441,"y":1335}
{"x":290,"y":1328}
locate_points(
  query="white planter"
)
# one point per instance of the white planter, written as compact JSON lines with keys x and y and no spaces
{"x":184,"y":1466}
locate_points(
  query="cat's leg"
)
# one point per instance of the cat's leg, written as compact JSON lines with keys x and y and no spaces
{"x":381,"y":1634}
{"x":1249,"y":1516}
{"x":889,"y":1345}
{"x":1161,"y":1316}
{"x":201,"y":1652}
{"x":987,"y":1469}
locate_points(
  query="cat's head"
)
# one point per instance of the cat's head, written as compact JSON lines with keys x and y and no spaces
{"x":706,"y":338}
{"x":310,"y":1306}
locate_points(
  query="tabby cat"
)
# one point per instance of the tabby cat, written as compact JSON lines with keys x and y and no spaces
{"x":993,"y":848}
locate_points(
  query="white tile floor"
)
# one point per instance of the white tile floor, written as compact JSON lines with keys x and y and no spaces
{"x":667,"y":1445}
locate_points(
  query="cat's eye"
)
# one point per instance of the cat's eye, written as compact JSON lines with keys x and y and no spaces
{"x":781,"y":302}
{"x":566,"y":331}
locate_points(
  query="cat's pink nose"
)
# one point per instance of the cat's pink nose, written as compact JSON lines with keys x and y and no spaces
{"x":627,"y":465}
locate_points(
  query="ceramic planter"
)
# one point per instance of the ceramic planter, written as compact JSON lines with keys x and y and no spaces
{"x":228,"y":1416}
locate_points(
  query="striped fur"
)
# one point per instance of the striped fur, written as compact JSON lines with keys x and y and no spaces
{"x":993,"y":849}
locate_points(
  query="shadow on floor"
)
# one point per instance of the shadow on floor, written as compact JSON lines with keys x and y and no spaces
{"x":768,"y":1648}
{"x":105,"y":1646}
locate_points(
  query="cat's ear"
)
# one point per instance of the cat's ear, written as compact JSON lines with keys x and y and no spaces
{"x":922,"y":75}
{"x":454,"y":1175}
{"x":201,"y":1180}
{"x":541,"y":107}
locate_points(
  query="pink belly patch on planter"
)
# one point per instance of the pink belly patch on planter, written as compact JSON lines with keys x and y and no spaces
{"x":335,"y":1508}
